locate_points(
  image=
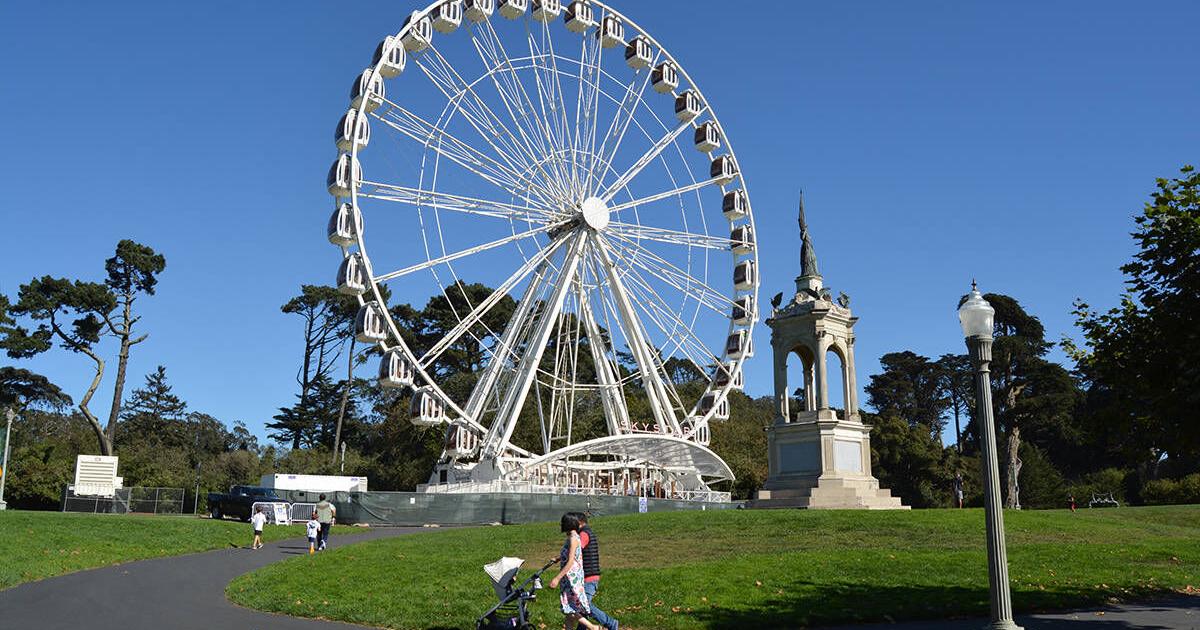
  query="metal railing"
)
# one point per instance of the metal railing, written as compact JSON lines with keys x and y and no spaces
{"x":270,"y":509}
{"x":301,"y":512}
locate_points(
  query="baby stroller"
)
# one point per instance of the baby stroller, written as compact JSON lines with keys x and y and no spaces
{"x":510,"y":613}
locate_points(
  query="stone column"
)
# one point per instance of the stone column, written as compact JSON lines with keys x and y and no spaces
{"x":810,"y":394}
{"x":845,"y":361}
{"x":822,"y":371}
{"x":851,"y":380}
{"x":781,"y":384}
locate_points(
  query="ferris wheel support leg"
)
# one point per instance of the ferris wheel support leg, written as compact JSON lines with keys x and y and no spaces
{"x":615,"y":410}
{"x":506,"y":420}
{"x":506,"y":347}
{"x":660,"y":401}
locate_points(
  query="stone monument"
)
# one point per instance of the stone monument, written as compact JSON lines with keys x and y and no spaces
{"x":816,"y":458}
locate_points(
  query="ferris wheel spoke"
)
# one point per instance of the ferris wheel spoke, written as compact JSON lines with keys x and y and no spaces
{"x":586,"y":99}
{"x":492,"y":51}
{"x":463,"y":97}
{"x":476,"y":314}
{"x":644,"y":355}
{"x":456,"y":150}
{"x":558,"y":102}
{"x":665,"y":194}
{"x":642,"y":162}
{"x":633,"y":98}
{"x":500,"y":433}
{"x":673,"y":237}
{"x":551,"y":118}
{"x":650,"y":299}
{"x":456,"y":96}
{"x":457,"y":203}
{"x":672,"y":343}
{"x":511,"y":92}
{"x":466,"y":252}
{"x":687,"y":284}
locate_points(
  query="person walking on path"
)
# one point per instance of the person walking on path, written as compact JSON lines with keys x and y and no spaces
{"x":572,"y":596}
{"x":313,"y":530}
{"x":258,"y":520}
{"x":326,"y":515}
{"x":958,"y":489}
{"x":591,"y":570}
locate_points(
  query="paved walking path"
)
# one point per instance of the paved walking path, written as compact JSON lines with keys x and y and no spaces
{"x":181,"y":592}
{"x":1179,"y":613}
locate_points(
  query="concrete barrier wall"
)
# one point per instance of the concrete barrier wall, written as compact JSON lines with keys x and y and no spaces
{"x":419,"y":508}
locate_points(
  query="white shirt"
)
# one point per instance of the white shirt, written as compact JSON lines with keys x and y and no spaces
{"x":258,"y":520}
{"x":313,"y":527}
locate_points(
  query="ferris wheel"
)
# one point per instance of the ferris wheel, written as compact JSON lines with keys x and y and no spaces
{"x":561,"y":156}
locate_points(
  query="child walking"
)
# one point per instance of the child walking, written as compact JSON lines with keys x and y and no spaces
{"x":313,"y":529}
{"x":258,"y":520}
{"x":569,"y":580}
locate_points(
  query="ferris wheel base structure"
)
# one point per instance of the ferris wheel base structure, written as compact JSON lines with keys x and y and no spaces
{"x":651,"y":465}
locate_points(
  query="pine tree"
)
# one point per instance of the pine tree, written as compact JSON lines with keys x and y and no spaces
{"x":152,"y":411}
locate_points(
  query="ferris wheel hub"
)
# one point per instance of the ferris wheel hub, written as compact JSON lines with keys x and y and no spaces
{"x":595,"y":213}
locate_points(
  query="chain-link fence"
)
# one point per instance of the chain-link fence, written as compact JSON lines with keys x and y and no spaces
{"x":138,"y":499}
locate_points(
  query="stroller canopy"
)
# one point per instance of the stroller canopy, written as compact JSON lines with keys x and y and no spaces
{"x":502,"y":572}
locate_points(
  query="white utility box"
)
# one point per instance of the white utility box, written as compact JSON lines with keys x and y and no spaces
{"x":96,"y":476}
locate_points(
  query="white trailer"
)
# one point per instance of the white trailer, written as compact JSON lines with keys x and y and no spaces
{"x":315,"y":483}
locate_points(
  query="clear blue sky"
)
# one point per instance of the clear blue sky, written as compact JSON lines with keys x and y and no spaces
{"x":935,"y":141}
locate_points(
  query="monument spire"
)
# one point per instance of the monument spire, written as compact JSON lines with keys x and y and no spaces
{"x":808,"y":256}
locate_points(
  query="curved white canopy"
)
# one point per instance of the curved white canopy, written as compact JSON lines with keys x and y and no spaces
{"x":633,"y":450}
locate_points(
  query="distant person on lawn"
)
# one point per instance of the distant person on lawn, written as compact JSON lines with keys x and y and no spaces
{"x":591,"y":570}
{"x":258,"y":520}
{"x":572,"y":595}
{"x":313,"y":529}
{"x":326,"y":514}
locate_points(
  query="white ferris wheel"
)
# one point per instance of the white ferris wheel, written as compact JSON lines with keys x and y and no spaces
{"x":560,"y":155}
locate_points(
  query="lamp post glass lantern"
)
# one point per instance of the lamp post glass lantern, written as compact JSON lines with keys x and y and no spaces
{"x":976,"y":317}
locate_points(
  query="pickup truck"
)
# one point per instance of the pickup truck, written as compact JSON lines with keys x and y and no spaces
{"x":239,"y":501}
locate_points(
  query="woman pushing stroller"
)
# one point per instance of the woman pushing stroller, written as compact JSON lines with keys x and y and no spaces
{"x":569,"y":581}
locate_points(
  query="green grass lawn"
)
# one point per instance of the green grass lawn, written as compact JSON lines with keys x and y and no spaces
{"x":755,"y":569}
{"x":36,"y":545}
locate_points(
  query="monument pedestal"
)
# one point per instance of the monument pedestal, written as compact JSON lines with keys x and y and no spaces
{"x":822,"y":462}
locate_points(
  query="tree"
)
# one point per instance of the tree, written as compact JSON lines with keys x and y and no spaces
{"x":327,"y":316}
{"x":52,"y":303}
{"x":152,"y":409}
{"x":1028,"y":391}
{"x":443,"y":314}
{"x":956,"y":381}
{"x":1139,"y":361}
{"x":20,"y":388}
{"x":132,"y":271}
{"x":311,"y":422}
{"x":97,"y":309}
{"x":910,"y":388}
{"x":907,"y":459}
